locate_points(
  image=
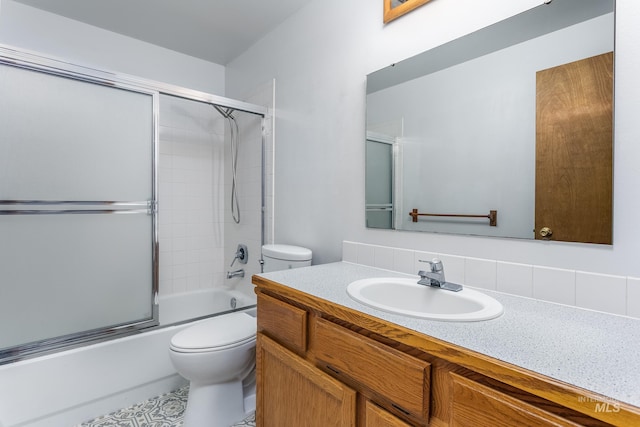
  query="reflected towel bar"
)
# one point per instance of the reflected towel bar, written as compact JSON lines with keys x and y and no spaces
{"x":493,"y":216}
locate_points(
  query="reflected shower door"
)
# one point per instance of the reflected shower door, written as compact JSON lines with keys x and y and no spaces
{"x":379,"y":184}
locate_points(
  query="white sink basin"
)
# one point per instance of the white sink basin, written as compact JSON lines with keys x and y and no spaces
{"x":406,"y":297}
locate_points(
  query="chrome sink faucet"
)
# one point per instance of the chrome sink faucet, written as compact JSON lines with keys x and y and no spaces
{"x":435,"y":277}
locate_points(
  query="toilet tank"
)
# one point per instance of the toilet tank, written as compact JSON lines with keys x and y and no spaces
{"x":284,"y":257}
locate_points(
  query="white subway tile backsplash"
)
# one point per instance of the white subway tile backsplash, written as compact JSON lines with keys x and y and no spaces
{"x":516,"y":279}
{"x":383,"y":257}
{"x":554,"y":284}
{"x":607,"y":293}
{"x":366,"y":255}
{"x":480,"y":273}
{"x":601,"y":292}
{"x":403,"y":261}
{"x":633,"y":297}
{"x":350,"y":251}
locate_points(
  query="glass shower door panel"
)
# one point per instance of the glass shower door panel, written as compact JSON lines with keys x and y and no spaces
{"x":67,"y":139}
{"x":64,"y":274}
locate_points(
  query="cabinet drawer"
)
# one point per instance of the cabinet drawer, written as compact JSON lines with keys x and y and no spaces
{"x":283,"y":322}
{"x":476,"y":405}
{"x":398,"y":377}
{"x":375,"y":416}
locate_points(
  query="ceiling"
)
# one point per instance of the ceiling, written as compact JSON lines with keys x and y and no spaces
{"x":214,"y":30}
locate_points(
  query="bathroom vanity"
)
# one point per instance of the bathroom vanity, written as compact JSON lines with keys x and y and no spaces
{"x":324,"y":359}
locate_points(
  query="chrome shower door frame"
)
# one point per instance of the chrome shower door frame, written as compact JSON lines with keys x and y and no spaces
{"x":17,"y":58}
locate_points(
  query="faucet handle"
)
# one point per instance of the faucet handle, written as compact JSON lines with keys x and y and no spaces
{"x":242,"y":255}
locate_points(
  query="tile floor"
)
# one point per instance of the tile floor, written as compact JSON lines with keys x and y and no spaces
{"x":161,"y":411}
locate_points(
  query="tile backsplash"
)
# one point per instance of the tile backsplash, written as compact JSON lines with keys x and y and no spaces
{"x":601,"y":292}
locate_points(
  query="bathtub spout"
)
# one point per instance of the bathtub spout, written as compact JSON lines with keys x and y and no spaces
{"x":236,"y":273}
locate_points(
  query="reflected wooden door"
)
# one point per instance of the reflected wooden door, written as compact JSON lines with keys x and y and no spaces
{"x":574,"y":151}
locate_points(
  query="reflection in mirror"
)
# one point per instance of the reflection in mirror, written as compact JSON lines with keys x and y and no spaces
{"x":463,"y":122}
{"x":379,"y":178}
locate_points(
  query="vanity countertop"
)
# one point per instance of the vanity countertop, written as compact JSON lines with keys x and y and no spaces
{"x":595,"y":351}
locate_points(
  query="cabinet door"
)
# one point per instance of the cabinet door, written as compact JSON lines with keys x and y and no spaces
{"x":375,"y":416}
{"x":292,"y":392}
{"x":476,"y":405}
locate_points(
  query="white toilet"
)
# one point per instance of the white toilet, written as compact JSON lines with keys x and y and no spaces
{"x":284,"y":257}
{"x":217,"y":355}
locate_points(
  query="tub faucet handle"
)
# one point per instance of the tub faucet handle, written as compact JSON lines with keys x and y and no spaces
{"x":242,"y":255}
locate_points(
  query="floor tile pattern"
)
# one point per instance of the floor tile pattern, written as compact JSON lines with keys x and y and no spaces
{"x":161,"y":411}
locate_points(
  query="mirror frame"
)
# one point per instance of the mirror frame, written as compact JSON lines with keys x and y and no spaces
{"x":391,"y":13}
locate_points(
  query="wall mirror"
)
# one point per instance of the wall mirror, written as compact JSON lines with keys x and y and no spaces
{"x":505,"y":132}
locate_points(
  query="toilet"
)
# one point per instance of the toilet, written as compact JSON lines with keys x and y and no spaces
{"x":218,"y":355}
{"x":284,"y":257}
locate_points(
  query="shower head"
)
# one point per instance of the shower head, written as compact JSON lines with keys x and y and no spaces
{"x":227,"y":114}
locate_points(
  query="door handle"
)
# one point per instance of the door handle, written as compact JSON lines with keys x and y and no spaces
{"x":546,"y":233}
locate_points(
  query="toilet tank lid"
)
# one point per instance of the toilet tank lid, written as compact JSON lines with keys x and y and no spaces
{"x":287,"y":252}
{"x":217,"y":331}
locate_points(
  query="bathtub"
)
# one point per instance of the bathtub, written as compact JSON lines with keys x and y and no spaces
{"x":68,"y":387}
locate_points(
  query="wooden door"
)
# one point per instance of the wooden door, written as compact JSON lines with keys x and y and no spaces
{"x":574,"y":150}
{"x":292,"y":392}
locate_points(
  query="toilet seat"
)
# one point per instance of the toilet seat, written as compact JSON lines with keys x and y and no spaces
{"x":215,"y":334}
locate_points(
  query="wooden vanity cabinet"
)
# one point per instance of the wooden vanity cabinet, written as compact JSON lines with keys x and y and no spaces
{"x":295,"y":393}
{"x":320,"y":364}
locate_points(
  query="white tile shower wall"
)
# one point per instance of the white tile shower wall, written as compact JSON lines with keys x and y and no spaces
{"x":606,"y":293}
{"x":249,"y":174}
{"x":190,"y":196}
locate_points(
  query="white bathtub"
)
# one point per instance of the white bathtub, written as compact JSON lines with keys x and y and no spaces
{"x":66,"y":388}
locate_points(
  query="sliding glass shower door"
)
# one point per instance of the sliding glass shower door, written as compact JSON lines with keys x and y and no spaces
{"x":78,"y":243}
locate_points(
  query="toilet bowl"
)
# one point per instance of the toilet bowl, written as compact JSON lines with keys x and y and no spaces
{"x":217,"y":356}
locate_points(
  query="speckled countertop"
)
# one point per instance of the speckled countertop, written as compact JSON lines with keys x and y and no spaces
{"x":592,"y":350}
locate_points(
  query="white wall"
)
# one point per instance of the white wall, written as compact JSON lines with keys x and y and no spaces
{"x":62,"y":38}
{"x":320,"y":58}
